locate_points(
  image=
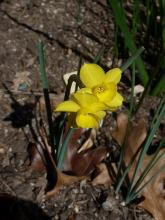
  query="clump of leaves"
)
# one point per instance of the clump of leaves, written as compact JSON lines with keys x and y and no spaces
{"x":149,"y":180}
{"x":142,"y":23}
{"x":95,"y":95}
{"x":86,"y":107}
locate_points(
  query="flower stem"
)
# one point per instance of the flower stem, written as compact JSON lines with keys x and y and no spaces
{"x":63,"y":150}
{"x":46,"y":95}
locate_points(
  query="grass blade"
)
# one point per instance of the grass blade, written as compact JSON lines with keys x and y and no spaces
{"x":63,"y":150}
{"x":149,"y":166}
{"x":135,"y":194}
{"x":129,"y":41}
{"x":146,"y":146}
{"x":46,"y":95}
{"x":132,"y":104}
{"x":158,"y":110}
{"x":133,"y":58}
{"x":160,"y":86}
{"x":99,"y":55}
{"x":126,"y":171}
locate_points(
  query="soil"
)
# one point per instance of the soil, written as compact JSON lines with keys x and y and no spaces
{"x":71,"y":30}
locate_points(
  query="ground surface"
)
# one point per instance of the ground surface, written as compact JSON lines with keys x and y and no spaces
{"x":70,"y":30}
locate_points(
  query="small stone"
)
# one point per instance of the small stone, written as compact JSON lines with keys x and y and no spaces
{"x":32,"y":184}
{"x":109,"y":204}
{"x":75,"y":191}
{"x":56,"y":217}
{"x":76,"y":209}
{"x":96,"y":214}
{"x":10,"y":150}
{"x":2,"y":151}
{"x":41,"y":26}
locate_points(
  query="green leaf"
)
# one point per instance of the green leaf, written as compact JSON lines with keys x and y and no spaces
{"x":121,"y":21}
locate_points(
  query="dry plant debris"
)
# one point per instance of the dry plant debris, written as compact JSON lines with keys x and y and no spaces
{"x":82,"y":160}
{"x":153,"y":192}
{"x":78,"y":165}
{"x":103,"y":177}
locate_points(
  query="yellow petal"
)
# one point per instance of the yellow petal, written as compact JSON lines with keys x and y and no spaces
{"x":67,"y":106}
{"x":91,"y":102}
{"x":105,"y":92}
{"x":113,"y":75}
{"x":100,"y":114}
{"x":84,"y":90}
{"x":84,"y":99}
{"x":91,"y":74}
{"x":97,"y":106}
{"x":116,"y":102}
{"x":85,"y":120}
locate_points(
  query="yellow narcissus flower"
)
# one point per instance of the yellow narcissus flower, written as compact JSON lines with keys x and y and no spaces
{"x":85,"y":110}
{"x":101,"y":84}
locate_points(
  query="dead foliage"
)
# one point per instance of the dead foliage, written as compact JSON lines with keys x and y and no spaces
{"x":102,"y":177}
{"x":79,"y":163}
{"x":154,"y":191}
{"x":83,"y":160}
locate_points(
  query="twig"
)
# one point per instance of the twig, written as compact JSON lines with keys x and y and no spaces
{"x":8,"y":187}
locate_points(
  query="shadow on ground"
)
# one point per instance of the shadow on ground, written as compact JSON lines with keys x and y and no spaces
{"x":18,"y":209}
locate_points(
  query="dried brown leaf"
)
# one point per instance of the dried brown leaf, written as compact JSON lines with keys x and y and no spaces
{"x":120,"y":132}
{"x":72,"y":150}
{"x":63,"y":179}
{"x":103,"y":177}
{"x":154,"y":192}
{"x":90,"y":141}
{"x":85,"y":162}
{"x":35,"y":159}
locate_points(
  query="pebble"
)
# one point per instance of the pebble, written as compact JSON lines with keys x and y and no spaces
{"x":41,"y":26}
{"x":76,"y":209}
{"x":76,"y":191}
{"x":56,"y":217}
{"x":10,"y":150}
{"x":2,"y":151}
{"x":109,"y":204}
